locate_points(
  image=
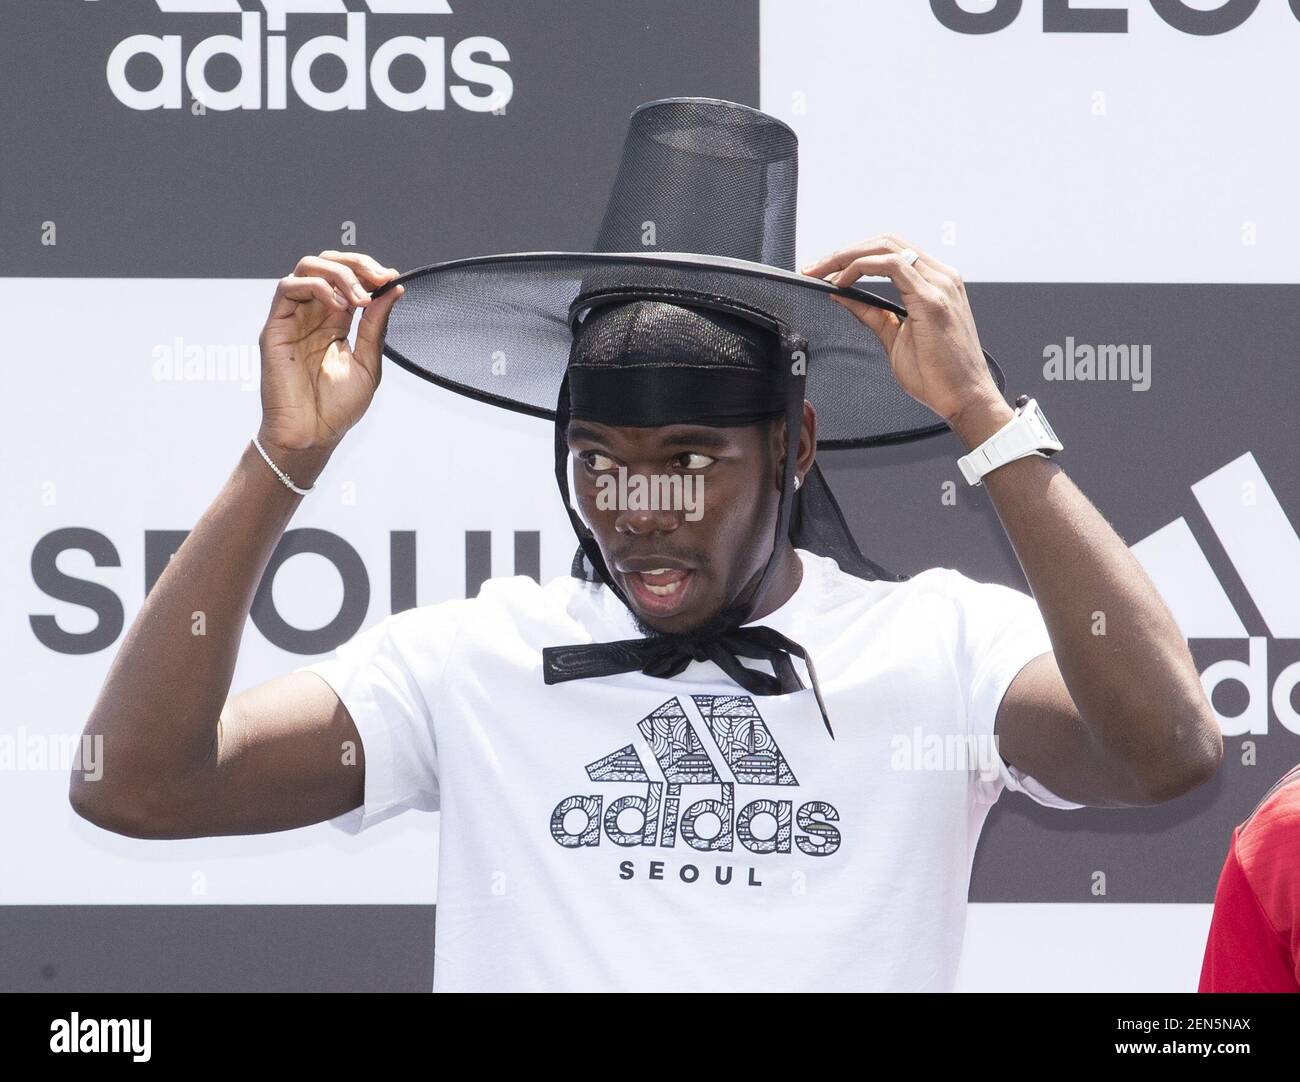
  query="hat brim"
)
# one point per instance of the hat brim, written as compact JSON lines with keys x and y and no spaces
{"x":498,"y":329}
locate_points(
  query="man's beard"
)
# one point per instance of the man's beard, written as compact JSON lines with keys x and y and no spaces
{"x":726,"y":619}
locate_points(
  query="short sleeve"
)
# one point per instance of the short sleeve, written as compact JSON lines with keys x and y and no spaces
{"x":1244,"y":950}
{"x":1001,"y":631}
{"x":387,"y":676}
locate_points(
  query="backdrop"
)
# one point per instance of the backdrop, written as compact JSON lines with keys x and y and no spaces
{"x":1114,"y":180}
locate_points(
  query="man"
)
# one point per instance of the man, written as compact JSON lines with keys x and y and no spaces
{"x":626,"y":802}
{"x":1254,"y":940}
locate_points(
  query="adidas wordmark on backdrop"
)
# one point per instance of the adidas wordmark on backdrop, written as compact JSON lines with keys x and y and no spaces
{"x":638,"y":833}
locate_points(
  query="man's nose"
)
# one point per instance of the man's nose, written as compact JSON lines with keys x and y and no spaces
{"x":646,"y":522}
{"x":638,"y":517}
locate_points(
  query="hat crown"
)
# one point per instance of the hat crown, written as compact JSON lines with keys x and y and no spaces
{"x":705,"y":176}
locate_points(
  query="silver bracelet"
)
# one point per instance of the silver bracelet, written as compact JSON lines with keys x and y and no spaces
{"x":279,"y":472}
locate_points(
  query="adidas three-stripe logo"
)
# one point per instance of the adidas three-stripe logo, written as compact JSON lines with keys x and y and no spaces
{"x":746,"y":754}
{"x":1263,"y":548}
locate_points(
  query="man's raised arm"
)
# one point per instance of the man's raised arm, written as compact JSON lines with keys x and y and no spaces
{"x":180,"y":759}
{"x":1114,"y":719}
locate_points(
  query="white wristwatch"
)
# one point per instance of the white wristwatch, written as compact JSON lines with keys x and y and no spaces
{"x":1027,"y":433}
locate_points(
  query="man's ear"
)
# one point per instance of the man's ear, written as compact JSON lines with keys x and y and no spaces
{"x":807,"y":440}
{"x":807,"y":453}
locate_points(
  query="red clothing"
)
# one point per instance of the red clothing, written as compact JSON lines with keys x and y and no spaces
{"x":1254,"y":942}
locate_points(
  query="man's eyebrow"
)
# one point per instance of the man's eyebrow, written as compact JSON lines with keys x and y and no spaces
{"x":582,"y":432}
{"x":702,"y":437}
{"x":696,"y":437}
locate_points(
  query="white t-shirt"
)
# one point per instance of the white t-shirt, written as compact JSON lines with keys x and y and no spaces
{"x":635,"y":833}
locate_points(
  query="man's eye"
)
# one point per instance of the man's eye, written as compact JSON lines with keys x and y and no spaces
{"x":596,"y":461}
{"x":691,"y":460}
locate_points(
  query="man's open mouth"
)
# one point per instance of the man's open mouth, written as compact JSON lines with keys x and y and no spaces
{"x":660,"y":591}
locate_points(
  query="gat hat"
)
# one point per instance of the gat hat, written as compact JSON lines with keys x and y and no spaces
{"x":688,"y":303}
{"x":703,"y":201}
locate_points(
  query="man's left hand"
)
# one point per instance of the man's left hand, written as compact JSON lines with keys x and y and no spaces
{"x":935,"y":352}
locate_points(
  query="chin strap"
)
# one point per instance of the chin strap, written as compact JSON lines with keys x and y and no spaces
{"x":666,"y":656}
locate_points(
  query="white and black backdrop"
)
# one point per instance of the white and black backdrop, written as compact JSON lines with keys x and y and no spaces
{"x":1114,"y":180}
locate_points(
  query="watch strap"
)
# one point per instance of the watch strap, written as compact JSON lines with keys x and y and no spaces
{"x":1027,"y":433}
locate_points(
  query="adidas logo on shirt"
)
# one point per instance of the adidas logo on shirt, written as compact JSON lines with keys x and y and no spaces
{"x":745,"y":755}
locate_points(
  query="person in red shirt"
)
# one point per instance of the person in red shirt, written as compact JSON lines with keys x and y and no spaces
{"x":1254,"y":941}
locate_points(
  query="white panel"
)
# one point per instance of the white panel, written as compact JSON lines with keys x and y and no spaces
{"x":994,"y":141}
{"x":1259,"y":540}
{"x":409,"y":7}
{"x":192,"y":7}
{"x":1186,"y":581}
{"x":1103,"y":947}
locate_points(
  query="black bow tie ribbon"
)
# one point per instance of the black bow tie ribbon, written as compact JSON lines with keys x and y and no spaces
{"x":665,"y":656}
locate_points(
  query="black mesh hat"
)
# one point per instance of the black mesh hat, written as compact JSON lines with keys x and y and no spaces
{"x":703,"y":203}
{"x":691,"y":285}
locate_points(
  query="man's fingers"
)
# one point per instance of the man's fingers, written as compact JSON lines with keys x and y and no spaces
{"x":293,"y":290}
{"x":911,"y":283}
{"x":372,"y":329}
{"x":340,"y":275}
{"x":369,"y":270}
{"x":336,"y":279}
{"x":820,"y":268}
{"x":881,"y":320}
{"x":925,"y":266}
{"x":838,"y":260}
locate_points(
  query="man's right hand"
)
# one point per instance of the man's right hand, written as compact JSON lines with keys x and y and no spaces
{"x":315,"y":384}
